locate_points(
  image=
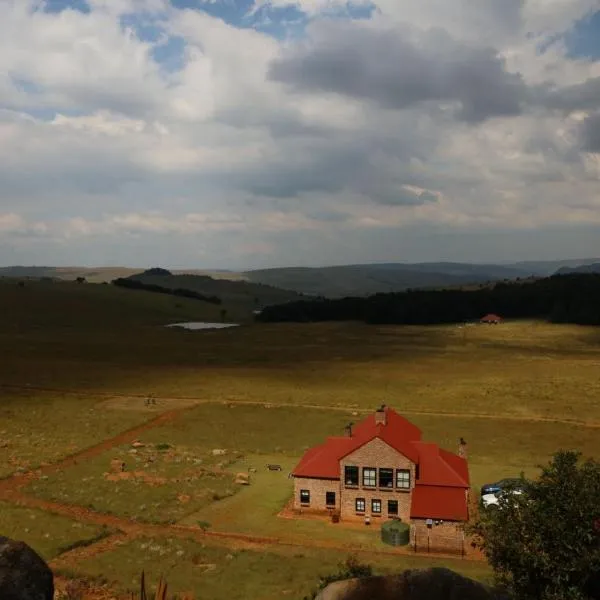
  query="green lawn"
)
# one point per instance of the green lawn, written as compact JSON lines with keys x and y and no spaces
{"x":220,"y":573}
{"x":49,"y":535}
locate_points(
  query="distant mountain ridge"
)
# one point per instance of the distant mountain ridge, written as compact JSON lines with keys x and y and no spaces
{"x":591,"y":268}
{"x":333,"y":281}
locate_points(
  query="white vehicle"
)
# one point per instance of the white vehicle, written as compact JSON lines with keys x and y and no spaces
{"x":488,"y":500}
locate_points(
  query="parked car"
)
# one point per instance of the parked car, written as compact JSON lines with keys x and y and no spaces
{"x":493,"y":499}
{"x":503,"y":484}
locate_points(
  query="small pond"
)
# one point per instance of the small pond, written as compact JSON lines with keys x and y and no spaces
{"x":193,"y":326}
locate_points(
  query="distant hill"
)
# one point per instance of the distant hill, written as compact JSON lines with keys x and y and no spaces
{"x":549,"y":267}
{"x":364,"y":280}
{"x":239,"y":298}
{"x":573,"y":298}
{"x":591,"y":268}
{"x":330,"y":282}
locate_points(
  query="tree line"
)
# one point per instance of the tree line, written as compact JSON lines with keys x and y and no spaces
{"x":135,"y":284}
{"x":573,"y":298}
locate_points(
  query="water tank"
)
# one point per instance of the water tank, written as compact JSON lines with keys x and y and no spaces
{"x":395,"y":533}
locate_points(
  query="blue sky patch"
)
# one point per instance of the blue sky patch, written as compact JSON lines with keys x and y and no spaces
{"x":583,"y":41}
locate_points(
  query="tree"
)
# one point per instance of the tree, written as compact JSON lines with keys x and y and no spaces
{"x":544,"y":544}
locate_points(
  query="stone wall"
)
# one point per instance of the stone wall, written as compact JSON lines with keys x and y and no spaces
{"x":375,"y":454}
{"x":317,"y":488}
{"x":446,"y":537}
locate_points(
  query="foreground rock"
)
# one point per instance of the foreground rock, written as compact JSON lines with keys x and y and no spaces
{"x":429,"y":584}
{"x":24,"y":575}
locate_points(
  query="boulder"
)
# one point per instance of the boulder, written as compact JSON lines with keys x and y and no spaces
{"x":24,"y":575}
{"x":429,"y":584}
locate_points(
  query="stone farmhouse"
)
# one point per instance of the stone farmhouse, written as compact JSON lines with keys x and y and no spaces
{"x":383,"y":470}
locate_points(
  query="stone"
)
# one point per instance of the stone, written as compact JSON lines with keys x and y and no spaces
{"x":219,"y":452}
{"x":24,"y":575}
{"x":137,"y":444}
{"x":428,"y":584}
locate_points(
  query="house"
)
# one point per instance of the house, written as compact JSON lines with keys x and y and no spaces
{"x":381,"y":469}
{"x":491,"y":319}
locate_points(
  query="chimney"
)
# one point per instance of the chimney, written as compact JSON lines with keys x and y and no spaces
{"x":348,"y":429}
{"x":380,"y":416}
{"x":462,"y":448}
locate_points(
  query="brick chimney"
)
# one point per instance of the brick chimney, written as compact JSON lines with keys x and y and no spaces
{"x":380,"y":415}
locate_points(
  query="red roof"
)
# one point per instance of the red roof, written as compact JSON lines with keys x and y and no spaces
{"x":439,"y":502}
{"x":440,"y":467}
{"x":322,"y":462}
{"x":491,"y":317}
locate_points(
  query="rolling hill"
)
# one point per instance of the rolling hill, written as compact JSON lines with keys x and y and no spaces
{"x":331,"y":282}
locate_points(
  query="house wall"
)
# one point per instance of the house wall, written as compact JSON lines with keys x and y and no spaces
{"x":447,"y":537}
{"x":317,"y":488}
{"x":375,"y":454}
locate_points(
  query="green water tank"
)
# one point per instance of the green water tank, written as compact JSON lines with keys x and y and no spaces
{"x":395,"y":533}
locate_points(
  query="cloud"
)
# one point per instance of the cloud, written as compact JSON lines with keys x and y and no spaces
{"x":137,"y":128}
{"x":400,"y":68}
{"x":591,"y":133}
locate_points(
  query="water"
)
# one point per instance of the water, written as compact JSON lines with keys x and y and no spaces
{"x":193,"y":326}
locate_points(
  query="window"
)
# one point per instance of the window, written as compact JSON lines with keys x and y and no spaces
{"x":417,"y":472}
{"x":304,"y":496}
{"x":376,"y":507}
{"x":386,"y":478}
{"x":369,"y":477}
{"x":351,"y":475}
{"x":392,"y":507}
{"x":360,"y":505}
{"x":330,"y":498}
{"x":403,"y":479}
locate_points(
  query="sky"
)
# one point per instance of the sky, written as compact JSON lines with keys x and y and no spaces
{"x":259,"y":133}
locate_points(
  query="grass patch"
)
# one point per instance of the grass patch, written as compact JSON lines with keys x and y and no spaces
{"x":38,"y":428}
{"x":156,"y":487}
{"x":49,"y":535}
{"x":225,"y":574}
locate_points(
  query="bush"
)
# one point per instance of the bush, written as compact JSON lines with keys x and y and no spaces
{"x":349,"y":569}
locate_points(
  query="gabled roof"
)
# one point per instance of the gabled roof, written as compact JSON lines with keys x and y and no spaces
{"x":439,"y":502}
{"x":322,"y":462}
{"x":440,"y":467}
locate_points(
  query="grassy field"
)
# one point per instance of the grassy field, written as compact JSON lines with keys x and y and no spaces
{"x":158,"y":486}
{"x":50,"y":535}
{"x":222,"y":573}
{"x":517,"y":393}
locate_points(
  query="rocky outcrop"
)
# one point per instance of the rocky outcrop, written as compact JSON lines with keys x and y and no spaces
{"x":24,"y":575}
{"x":429,"y":584}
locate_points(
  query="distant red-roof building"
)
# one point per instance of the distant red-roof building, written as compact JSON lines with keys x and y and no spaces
{"x":491,"y":319}
{"x":381,"y":470}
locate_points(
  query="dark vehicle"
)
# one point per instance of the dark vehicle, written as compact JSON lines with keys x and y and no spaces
{"x":503,"y":484}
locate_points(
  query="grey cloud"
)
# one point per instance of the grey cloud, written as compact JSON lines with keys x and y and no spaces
{"x":397,"y":70}
{"x":583,"y":96}
{"x":591,"y":133}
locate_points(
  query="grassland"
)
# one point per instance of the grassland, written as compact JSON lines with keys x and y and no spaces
{"x":222,"y":573}
{"x":50,"y":535}
{"x":78,"y":361}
